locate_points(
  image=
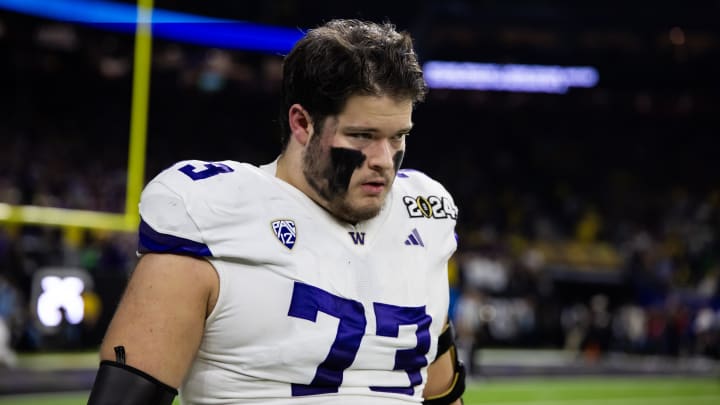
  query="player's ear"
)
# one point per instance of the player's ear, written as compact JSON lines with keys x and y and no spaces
{"x":301,"y":127}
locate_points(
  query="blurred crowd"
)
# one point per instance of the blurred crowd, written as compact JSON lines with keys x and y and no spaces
{"x":588,"y":221}
{"x":652,"y":289}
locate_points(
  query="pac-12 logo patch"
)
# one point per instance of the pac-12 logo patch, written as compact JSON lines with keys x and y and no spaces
{"x":285,"y":231}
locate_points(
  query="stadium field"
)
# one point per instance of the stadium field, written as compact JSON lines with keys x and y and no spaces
{"x":570,"y":391}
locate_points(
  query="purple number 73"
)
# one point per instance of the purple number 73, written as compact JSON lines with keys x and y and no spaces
{"x":307,"y":301}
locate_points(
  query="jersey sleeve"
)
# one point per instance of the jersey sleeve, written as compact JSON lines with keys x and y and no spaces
{"x":165,"y":223}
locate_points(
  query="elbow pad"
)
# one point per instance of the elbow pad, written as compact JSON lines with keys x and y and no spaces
{"x":119,"y":384}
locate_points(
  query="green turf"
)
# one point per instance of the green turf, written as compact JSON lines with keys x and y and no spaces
{"x":555,"y":391}
{"x":596,"y":391}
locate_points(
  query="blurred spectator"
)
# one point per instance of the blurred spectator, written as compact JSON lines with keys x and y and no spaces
{"x":11,"y":317}
{"x":597,"y":340}
{"x":630,"y":329}
{"x":8,"y":358}
{"x":707,"y":330}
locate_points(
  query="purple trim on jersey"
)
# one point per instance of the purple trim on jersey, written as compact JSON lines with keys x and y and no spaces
{"x":405,"y":173}
{"x":152,"y":241}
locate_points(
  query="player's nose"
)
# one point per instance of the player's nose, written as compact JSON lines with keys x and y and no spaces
{"x":380,"y":154}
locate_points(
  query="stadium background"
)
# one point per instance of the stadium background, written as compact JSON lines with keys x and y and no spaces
{"x":589,"y":220}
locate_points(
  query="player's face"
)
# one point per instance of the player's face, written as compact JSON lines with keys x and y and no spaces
{"x":352,"y":162}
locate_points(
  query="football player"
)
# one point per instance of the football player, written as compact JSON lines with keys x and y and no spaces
{"x":320,"y":278}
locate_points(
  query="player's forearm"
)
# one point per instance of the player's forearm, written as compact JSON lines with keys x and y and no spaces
{"x":446,"y":375}
{"x":440,"y":376}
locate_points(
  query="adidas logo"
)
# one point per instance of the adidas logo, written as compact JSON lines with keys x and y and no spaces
{"x":414,"y":239}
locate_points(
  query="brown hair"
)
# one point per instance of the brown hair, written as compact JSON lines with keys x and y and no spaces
{"x":343,"y":58}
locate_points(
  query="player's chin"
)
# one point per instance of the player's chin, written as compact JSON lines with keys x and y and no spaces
{"x":364,"y":210}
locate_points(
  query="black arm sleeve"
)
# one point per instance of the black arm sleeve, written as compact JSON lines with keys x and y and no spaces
{"x":120,"y":384}
{"x":446,"y":340}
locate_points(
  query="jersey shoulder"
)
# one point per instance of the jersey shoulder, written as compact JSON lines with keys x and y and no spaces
{"x":424,"y":196}
{"x":191,"y":176}
{"x":178,"y":206}
{"x":417,"y":181}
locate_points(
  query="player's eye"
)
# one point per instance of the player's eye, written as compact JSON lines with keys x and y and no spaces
{"x":361,"y":135}
{"x":398,"y":138}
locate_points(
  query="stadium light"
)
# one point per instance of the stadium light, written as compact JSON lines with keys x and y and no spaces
{"x":508,"y":77}
{"x":166,"y":24}
{"x":60,"y":293}
{"x":57,"y":296}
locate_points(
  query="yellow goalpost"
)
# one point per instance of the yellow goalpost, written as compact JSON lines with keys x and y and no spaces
{"x":129,"y":220}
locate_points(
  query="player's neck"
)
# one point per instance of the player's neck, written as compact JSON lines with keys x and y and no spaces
{"x":290,"y":170}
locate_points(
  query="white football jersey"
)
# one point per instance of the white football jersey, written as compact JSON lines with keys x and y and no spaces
{"x":311,"y":310}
